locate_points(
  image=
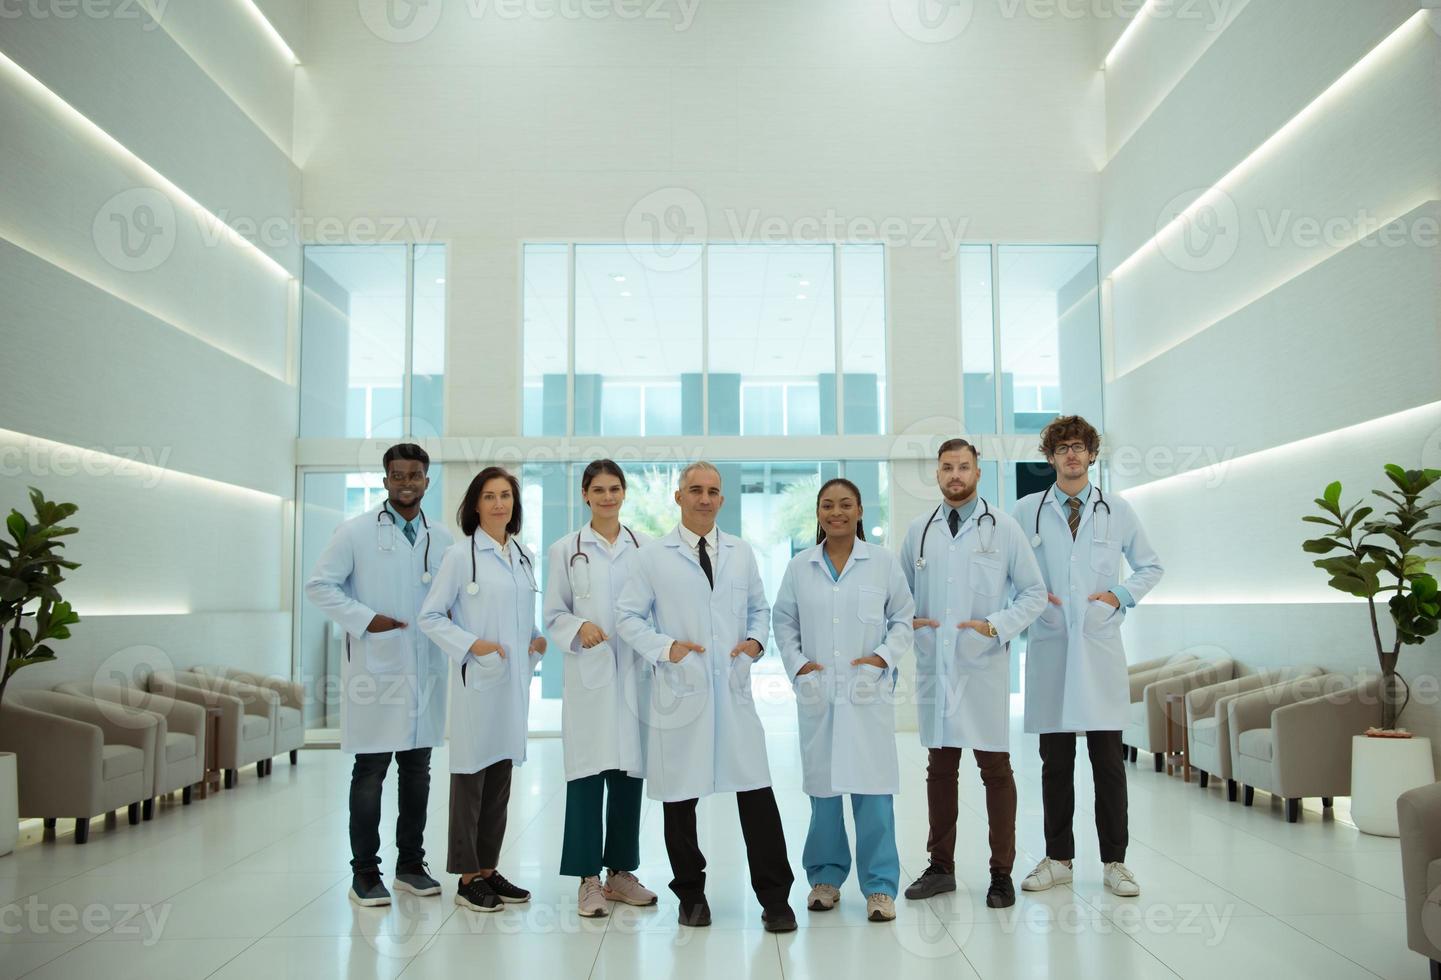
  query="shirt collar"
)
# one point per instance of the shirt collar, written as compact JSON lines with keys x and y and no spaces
{"x":692,"y":540}
{"x":965,"y":510}
{"x":399,"y":521}
{"x":1081,"y":497}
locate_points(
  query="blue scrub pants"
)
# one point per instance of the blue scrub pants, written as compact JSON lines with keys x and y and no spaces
{"x":827,"y":855}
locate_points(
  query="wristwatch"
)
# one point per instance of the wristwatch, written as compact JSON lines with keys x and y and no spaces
{"x":991,"y":629}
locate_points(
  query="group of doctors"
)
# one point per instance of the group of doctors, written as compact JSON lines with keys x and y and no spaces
{"x":659,"y":638}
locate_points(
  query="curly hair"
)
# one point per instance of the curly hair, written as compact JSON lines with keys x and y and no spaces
{"x":1065,"y":429}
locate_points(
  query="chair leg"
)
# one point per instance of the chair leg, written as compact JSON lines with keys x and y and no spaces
{"x":1230,"y":791}
{"x":185,"y":796}
{"x":1248,"y":797}
{"x":1205,"y":778}
{"x":147,"y":809}
{"x":1327,"y":801}
{"x":1435,"y":970}
{"x":1160,"y":761}
{"x":230,"y":779}
{"x":1293,"y":810}
{"x":295,"y":757}
{"x":49,"y":823}
{"x":82,"y":829}
{"x":1134,"y":750}
{"x":133,"y":813}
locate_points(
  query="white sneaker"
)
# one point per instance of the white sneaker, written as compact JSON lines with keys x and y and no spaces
{"x":590,"y":902}
{"x":1047,"y":874}
{"x":1120,"y":881}
{"x":823,"y":898}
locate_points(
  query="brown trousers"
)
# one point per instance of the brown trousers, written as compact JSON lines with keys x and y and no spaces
{"x":942,"y":800}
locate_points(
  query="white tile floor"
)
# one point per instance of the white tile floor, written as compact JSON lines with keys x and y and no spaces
{"x":252,"y":883}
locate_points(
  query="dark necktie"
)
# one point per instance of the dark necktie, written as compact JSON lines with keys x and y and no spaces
{"x":705,"y":564}
{"x":954,"y":520}
{"x":1074,"y":520}
{"x":409,"y":531}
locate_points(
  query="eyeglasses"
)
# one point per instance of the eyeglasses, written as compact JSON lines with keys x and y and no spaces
{"x":1071,"y":449}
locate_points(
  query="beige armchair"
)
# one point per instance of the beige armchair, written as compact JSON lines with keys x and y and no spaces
{"x":1147,"y":730}
{"x":1418,"y":812}
{"x":179,"y":761}
{"x":1143,"y":673}
{"x":1294,"y":739}
{"x":75,"y":759}
{"x":1208,"y":735}
{"x":290,"y":725}
{"x":247,"y":717}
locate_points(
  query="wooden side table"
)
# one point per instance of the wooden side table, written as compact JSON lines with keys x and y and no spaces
{"x":212,"y":751}
{"x":1177,"y":747}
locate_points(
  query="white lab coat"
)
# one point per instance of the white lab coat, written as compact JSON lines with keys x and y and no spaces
{"x":847,"y":713}
{"x":392,"y":683}
{"x":489,"y":695}
{"x":703,"y":735}
{"x":1075,"y":665}
{"x":601,"y":704}
{"x":963,"y":676}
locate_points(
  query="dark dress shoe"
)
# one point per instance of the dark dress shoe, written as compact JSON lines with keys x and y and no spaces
{"x":697,"y":914}
{"x":933,"y":881}
{"x":780,"y":919}
{"x":1002,"y":893}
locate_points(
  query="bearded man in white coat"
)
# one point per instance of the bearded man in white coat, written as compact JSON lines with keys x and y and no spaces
{"x":371,"y":580}
{"x":1076,"y":677}
{"x":694,"y":608}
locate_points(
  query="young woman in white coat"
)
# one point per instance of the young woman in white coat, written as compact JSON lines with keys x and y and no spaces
{"x":481,"y":613}
{"x":1076,"y":677}
{"x":842,"y":620}
{"x":600,"y":704}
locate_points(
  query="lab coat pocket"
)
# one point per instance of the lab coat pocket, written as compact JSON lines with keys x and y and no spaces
{"x":867,"y":685}
{"x":1101,"y":617}
{"x":388,"y":652}
{"x":1105,"y":558}
{"x":1052,"y":617}
{"x":975,"y":649}
{"x":811,"y":693}
{"x":740,"y":676}
{"x":987,"y":574}
{"x":740,"y":601}
{"x":597,"y":666}
{"x":483,"y":673}
{"x":676,"y":693}
{"x":872,"y":606}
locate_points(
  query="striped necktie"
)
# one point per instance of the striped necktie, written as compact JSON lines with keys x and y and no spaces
{"x":1074,"y":519}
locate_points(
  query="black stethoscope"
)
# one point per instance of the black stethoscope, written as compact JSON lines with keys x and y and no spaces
{"x":385,"y":512}
{"x":579,"y":594}
{"x":1096,"y":506}
{"x":474,"y":587}
{"x":987,"y":542}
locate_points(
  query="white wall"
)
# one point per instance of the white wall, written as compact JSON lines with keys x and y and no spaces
{"x":1285,"y":337}
{"x":149,"y":379}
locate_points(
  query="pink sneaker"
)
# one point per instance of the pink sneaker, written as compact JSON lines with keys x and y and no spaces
{"x":622,"y":886}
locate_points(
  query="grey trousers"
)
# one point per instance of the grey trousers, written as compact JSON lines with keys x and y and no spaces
{"x":478,"y":803}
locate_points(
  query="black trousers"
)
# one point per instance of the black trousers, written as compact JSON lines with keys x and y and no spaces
{"x":765,"y":839}
{"x":367,"y":779}
{"x":479,"y":802}
{"x":1058,"y":793}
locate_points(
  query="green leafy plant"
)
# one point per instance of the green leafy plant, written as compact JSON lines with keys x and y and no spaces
{"x":31,"y":570}
{"x":1371,"y":556}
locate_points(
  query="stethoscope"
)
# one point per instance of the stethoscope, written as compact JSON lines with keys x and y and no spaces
{"x":473,"y":587}
{"x":574,"y":587}
{"x":987,"y":541}
{"x":387,"y":541}
{"x":1096,"y":506}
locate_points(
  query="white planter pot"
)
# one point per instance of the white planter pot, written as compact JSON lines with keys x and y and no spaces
{"x":1381,"y":770}
{"x":9,"y":803}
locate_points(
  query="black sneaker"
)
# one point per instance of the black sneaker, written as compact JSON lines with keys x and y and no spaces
{"x":477,"y":896}
{"x":933,"y":881}
{"x":695,"y":914}
{"x":416,"y":879}
{"x":511,"y":894}
{"x":779,"y":919}
{"x":1002,"y":893}
{"x":366,"y":889}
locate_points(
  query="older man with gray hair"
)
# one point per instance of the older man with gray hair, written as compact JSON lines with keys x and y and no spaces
{"x":694,"y":607}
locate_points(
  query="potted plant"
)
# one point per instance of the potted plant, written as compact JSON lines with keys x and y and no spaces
{"x":1368,"y":556}
{"x":31,"y":614}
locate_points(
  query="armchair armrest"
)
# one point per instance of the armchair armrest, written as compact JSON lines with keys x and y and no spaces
{"x":35,"y":736}
{"x":1201,"y":701}
{"x":232,"y":711}
{"x":1311,"y":739}
{"x":292,"y":693}
{"x":1418,"y":812}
